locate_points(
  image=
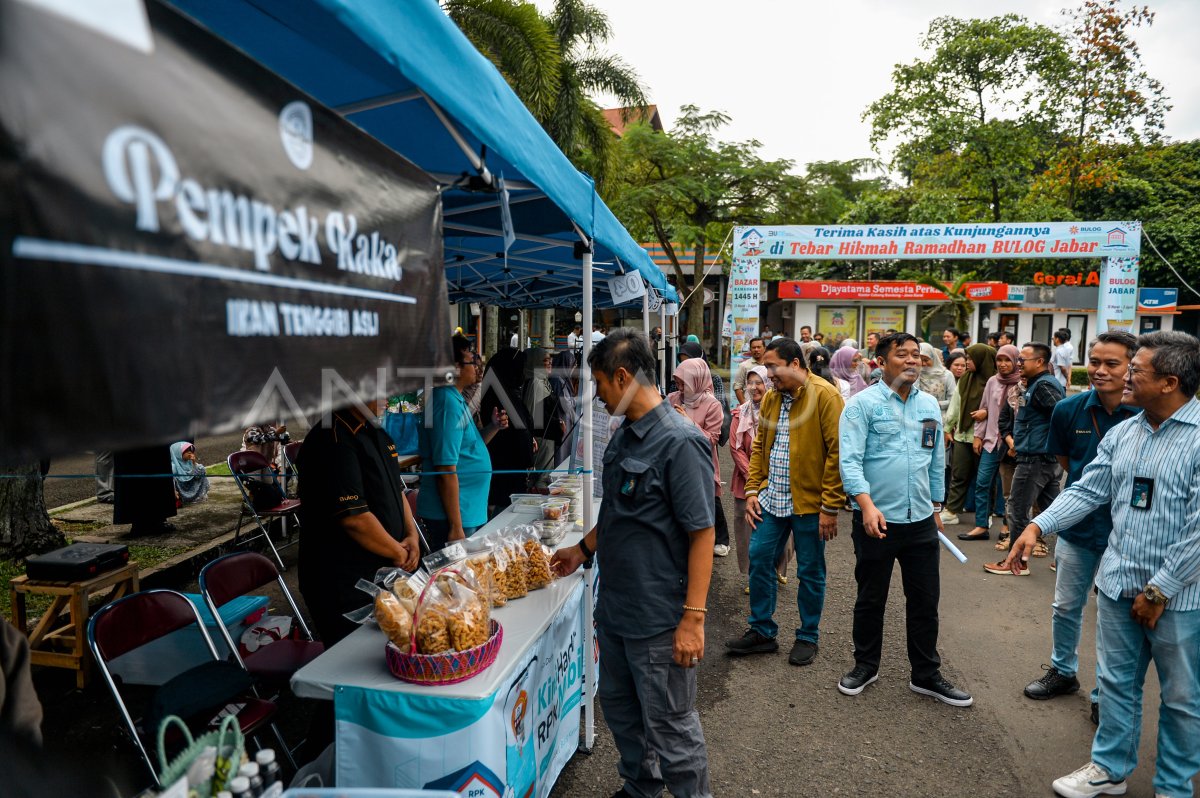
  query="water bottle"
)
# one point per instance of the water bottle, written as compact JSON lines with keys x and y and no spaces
{"x":239,"y":786}
{"x":250,"y":771}
{"x":272,"y":776}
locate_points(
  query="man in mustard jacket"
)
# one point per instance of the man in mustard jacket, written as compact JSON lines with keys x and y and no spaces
{"x":793,"y":488}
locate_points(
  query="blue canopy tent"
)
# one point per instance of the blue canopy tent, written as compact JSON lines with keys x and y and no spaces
{"x":404,"y":73}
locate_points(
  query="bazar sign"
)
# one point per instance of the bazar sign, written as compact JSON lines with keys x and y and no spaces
{"x":956,"y":241}
{"x":902,"y":291}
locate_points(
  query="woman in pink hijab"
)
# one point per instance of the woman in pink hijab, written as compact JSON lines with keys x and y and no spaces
{"x":693,"y":399}
{"x":842,"y":366}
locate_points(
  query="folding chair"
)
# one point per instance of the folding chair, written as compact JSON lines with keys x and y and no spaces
{"x":234,"y":575}
{"x":290,"y":453}
{"x":246,"y":466}
{"x":133,"y":621}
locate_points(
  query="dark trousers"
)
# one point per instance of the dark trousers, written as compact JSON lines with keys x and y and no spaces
{"x":1034,"y":481}
{"x":649,"y":705}
{"x":963,"y":465}
{"x":915,"y":547}
{"x":720,"y":524}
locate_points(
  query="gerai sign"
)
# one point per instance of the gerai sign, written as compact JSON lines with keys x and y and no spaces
{"x":141,"y":170}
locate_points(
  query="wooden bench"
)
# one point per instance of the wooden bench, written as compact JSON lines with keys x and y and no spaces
{"x":66,"y":646}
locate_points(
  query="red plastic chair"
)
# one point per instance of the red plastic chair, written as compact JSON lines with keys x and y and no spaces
{"x":234,"y":575}
{"x":251,"y":465}
{"x":134,"y":621}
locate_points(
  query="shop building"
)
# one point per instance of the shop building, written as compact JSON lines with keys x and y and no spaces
{"x":843,"y":310}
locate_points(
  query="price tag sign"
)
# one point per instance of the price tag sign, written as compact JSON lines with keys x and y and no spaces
{"x":626,"y":288}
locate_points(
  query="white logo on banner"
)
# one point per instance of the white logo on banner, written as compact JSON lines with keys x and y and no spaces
{"x":296,"y":132}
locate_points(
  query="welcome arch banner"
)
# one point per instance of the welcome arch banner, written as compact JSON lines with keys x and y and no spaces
{"x":1117,"y":244}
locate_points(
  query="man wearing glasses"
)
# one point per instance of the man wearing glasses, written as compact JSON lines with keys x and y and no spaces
{"x":1037,"y":472}
{"x":1148,"y":607}
{"x":455,"y":505}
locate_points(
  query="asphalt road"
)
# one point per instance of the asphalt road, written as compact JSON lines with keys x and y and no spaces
{"x":776,"y":729}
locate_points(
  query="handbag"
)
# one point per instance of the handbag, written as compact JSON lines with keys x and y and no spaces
{"x":402,"y":429}
{"x":227,"y":741}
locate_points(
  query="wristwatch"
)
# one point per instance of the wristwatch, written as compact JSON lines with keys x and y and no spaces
{"x":1154,"y":595}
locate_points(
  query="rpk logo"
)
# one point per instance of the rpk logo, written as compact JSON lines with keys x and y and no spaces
{"x":296,"y":132}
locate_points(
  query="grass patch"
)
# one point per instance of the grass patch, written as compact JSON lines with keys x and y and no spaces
{"x":219,"y":470}
{"x":74,"y":527}
{"x":146,"y":556}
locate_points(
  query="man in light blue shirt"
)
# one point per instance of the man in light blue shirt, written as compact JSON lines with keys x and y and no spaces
{"x":893,"y":468}
{"x":1148,"y":608}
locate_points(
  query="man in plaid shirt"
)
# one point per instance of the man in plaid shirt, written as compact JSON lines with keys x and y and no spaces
{"x":793,"y":488}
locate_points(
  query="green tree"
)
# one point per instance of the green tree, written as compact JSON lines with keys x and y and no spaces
{"x":555,"y":65}
{"x":517,"y":40}
{"x":575,"y":121}
{"x":25,"y":526}
{"x":1105,"y":95}
{"x":957,"y":307}
{"x":973,"y":115}
{"x":687,"y":188}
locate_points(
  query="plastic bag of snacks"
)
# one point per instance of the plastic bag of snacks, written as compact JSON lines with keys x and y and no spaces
{"x":394,"y":593}
{"x":468,"y":623}
{"x":481,"y":560}
{"x":537,"y":558}
{"x":508,"y":560}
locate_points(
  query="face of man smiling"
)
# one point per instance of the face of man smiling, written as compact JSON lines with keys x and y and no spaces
{"x":902,"y":365}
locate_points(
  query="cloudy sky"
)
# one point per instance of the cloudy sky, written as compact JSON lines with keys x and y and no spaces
{"x":797,"y":74}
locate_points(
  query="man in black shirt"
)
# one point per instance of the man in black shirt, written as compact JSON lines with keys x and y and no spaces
{"x":354,"y":518}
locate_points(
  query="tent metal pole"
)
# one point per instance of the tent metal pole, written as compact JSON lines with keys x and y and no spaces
{"x":587,"y":390}
{"x":646,"y":312}
{"x":662,"y":347}
{"x":474,"y":158}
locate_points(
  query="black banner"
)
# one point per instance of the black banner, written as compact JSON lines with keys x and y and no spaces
{"x":188,"y":244}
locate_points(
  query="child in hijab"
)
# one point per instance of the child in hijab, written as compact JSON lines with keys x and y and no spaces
{"x":694,"y":400}
{"x":191,"y":478}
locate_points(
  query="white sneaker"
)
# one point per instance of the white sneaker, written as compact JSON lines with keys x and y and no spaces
{"x":721,"y":550}
{"x":949,"y":517}
{"x":1090,"y":780}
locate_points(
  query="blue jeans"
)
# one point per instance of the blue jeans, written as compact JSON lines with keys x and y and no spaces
{"x":1124,"y":650}
{"x":1076,"y":573}
{"x":987,"y":487}
{"x":767,"y":543}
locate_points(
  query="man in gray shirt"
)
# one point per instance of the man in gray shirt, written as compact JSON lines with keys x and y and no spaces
{"x":654,"y":542}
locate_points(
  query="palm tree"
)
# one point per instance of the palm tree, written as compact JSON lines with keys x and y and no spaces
{"x":577,"y":124}
{"x":553,"y":64}
{"x":516,"y":39}
{"x":958,"y":307}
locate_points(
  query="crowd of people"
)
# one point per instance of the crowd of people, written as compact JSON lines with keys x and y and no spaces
{"x":905,"y":435}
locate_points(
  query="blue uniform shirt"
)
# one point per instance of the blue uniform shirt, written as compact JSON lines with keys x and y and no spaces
{"x":1156,"y":534}
{"x":1077,"y":425}
{"x":882,"y":453}
{"x":451,"y":438}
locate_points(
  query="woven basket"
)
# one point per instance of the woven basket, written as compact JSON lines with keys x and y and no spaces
{"x":448,"y":668}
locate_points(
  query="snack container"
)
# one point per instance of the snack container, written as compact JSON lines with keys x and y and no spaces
{"x":555,"y":510}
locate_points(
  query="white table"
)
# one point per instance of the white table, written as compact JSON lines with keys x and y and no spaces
{"x":514,"y":725}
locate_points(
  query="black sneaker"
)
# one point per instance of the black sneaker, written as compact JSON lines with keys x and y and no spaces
{"x":752,"y":643}
{"x":1095,"y":713}
{"x":942,"y":690}
{"x":856,"y":680}
{"x":1051,"y":684}
{"x":803,"y":653}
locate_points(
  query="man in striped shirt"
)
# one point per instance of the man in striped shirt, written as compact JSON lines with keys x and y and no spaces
{"x":1148,"y":608}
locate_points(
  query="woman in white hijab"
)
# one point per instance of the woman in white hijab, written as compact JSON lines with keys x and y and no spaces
{"x":935,"y":380}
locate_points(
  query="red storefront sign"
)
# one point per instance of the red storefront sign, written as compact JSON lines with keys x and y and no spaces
{"x":885,"y":290}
